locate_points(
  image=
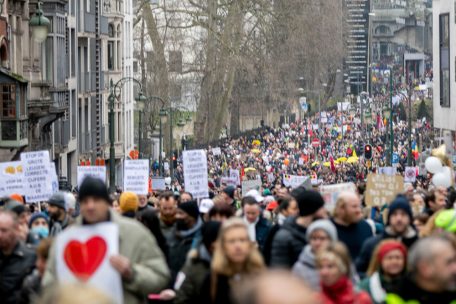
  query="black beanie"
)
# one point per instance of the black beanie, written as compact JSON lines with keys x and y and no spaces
{"x":93,"y":187}
{"x":309,"y":201}
{"x":209,"y":233}
{"x":191,"y":208}
{"x":400,"y":202}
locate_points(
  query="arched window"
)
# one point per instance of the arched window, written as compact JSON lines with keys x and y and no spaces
{"x":111,"y":30}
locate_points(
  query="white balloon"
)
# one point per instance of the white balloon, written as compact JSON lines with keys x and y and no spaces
{"x":168,"y":180}
{"x":448,"y":173}
{"x":441,"y":179}
{"x":433,"y":165}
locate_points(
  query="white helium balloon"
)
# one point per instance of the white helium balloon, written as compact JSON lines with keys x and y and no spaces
{"x":433,"y":165}
{"x":448,"y":173}
{"x":168,"y":180}
{"x":441,"y":180}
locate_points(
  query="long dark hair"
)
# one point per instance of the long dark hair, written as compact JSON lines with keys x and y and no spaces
{"x":149,"y":218}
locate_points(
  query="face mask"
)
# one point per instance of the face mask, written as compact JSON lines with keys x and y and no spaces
{"x":42,"y":231}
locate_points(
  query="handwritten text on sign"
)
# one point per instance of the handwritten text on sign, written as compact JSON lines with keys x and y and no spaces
{"x":136,"y":176}
{"x":248,"y":185}
{"x":37,"y":176}
{"x":93,"y":171}
{"x":11,"y":178}
{"x":381,"y":188}
{"x":195,"y":173}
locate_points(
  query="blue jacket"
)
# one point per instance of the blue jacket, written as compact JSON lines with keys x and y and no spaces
{"x":262,"y":230}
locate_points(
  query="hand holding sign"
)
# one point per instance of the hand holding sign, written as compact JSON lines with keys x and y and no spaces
{"x":122,"y":265}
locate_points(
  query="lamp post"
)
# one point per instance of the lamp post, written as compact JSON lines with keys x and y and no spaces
{"x":387,"y":115}
{"x":140,"y":103}
{"x":39,"y":25}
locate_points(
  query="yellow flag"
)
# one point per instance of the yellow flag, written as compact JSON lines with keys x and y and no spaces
{"x":354,"y":153}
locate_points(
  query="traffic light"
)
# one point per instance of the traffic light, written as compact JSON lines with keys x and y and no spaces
{"x":368,"y":152}
{"x":174,"y":160}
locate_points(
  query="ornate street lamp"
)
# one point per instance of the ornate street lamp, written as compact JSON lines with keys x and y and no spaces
{"x":39,"y":25}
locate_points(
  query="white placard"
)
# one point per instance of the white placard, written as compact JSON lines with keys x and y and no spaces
{"x":234,"y":173}
{"x":93,"y":171}
{"x":294,"y":181}
{"x":37,"y":176}
{"x":250,"y":185}
{"x":136,"y":176}
{"x":410,"y":174}
{"x":195,"y":173}
{"x":387,"y":170}
{"x":55,"y":180}
{"x":229,"y":181}
{"x":330,"y":193}
{"x":217,"y":151}
{"x":11,"y":178}
{"x":82,"y":255}
{"x":158,"y":184}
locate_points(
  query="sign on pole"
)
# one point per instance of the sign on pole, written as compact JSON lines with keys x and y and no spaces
{"x":37,"y":176}
{"x":136,"y":176}
{"x":11,"y":178}
{"x":330,"y":193}
{"x":382,"y":189}
{"x":254,"y":184}
{"x":234,"y":173}
{"x":410,"y":174}
{"x":93,"y":171}
{"x":195,"y":173}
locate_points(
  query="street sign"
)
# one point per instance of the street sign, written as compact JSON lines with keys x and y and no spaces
{"x":395,"y":158}
{"x":315,"y":143}
{"x":303,"y":103}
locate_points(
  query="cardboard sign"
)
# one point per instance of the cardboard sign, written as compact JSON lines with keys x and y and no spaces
{"x":195,"y":173}
{"x":93,"y":171}
{"x":387,"y":170}
{"x":37,"y":176}
{"x":136,"y":176}
{"x":158,"y":184}
{"x":382,"y":189}
{"x":330,"y":193}
{"x":294,"y":181}
{"x":250,"y":185}
{"x":410,"y":174}
{"x":11,"y":178}
{"x":217,"y":151}
{"x":82,"y":255}
{"x":234,"y":173}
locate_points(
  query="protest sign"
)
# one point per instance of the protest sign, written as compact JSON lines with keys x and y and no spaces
{"x":82,"y":255}
{"x":387,"y":170}
{"x":217,"y":151}
{"x":271,"y":177}
{"x":250,"y":185}
{"x":234,"y":173}
{"x":11,"y":178}
{"x":55,"y":180}
{"x":158,"y":184}
{"x":410,"y":174}
{"x":228,"y":181}
{"x":93,"y":171}
{"x":136,"y":176}
{"x":382,"y":189}
{"x":37,"y":176}
{"x":330,"y":193}
{"x":195,"y":173}
{"x":294,"y":181}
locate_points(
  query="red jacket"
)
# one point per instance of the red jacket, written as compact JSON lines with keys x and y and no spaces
{"x":343,"y":292}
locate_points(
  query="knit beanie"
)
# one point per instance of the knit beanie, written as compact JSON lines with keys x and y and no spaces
{"x":58,"y":200}
{"x":325,"y":225}
{"x":400,"y":202}
{"x":95,"y":187}
{"x":209,"y":233}
{"x":230,"y":191}
{"x":36,"y":216}
{"x":17,"y":197}
{"x":389,"y":245}
{"x":309,"y":201}
{"x":191,"y":208}
{"x":128,"y":202}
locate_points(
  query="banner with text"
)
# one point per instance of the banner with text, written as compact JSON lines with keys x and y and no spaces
{"x":93,"y":171}
{"x":330,"y":193}
{"x":294,"y":181}
{"x":11,"y":178}
{"x":250,"y":185}
{"x":382,"y":189}
{"x":37,"y":176}
{"x":195,"y":173}
{"x":136,"y":176}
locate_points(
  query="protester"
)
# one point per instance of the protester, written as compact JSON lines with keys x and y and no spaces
{"x":70,"y":202}
{"x":16,"y":259}
{"x":220,"y":212}
{"x":386,"y":270}
{"x":190,"y":280}
{"x":228,"y":195}
{"x":23,"y":216}
{"x":150,"y":220}
{"x":60,"y":219}
{"x":167,"y":209}
{"x":143,"y":204}
{"x":333,"y":264}
{"x":128,"y":204}
{"x":205,"y":206}
{"x":399,"y":227}
{"x":235,"y":259}
{"x":291,"y":237}
{"x":434,"y":201}
{"x":319,"y":235}
{"x":352,"y":229}
{"x":39,"y":227}
{"x":140,"y":262}
{"x":185,"y":197}
{"x":258,"y":227}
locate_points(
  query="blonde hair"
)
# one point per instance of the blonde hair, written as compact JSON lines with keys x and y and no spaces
{"x":337,"y":252}
{"x":375,"y":264}
{"x":74,"y":294}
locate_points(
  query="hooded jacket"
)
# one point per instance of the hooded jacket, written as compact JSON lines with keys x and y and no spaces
{"x":288,"y":244}
{"x":306,"y":268}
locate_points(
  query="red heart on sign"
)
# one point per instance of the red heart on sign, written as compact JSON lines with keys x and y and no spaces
{"x":83,"y":259}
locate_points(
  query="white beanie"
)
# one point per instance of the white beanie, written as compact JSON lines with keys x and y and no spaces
{"x":325,"y":225}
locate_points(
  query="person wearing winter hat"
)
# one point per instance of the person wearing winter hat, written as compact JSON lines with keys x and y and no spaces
{"x":60,"y":219}
{"x":140,"y":262}
{"x":386,"y":270}
{"x":399,"y":227}
{"x":184,"y":235}
{"x":39,"y":225}
{"x":319,"y":234}
{"x":128,"y":204}
{"x":228,"y":195}
{"x":289,"y":241}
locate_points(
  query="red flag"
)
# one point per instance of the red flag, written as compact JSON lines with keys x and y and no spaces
{"x":333,"y":167}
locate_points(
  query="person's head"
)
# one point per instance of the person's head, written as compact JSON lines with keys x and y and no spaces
{"x":39,"y":224}
{"x":228,"y":194}
{"x":9,"y":224}
{"x":22,"y":211}
{"x":251,"y":209}
{"x":389,"y":258}
{"x":310,"y":203}
{"x":142,"y":201}
{"x":420,"y":221}
{"x":57,"y":206}
{"x":168,"y":208}
{"x":42,"y":253}
{"x":17,"y":197}
{"x":432,"y":263}
{"x":128,"y":203}
{"x":220,"y":212}
{"x":417,"y":202}
{"x":320,"y":234}
{"x":435,"y":200}
{"x":94,"y":200}
{"x":348,"y":208}
{"x":149,"y":218}
{"x":288,"y":206}
{"x":399,"y":215}
{"x":234,"y":251}
{"x":185,"y":197}
{"x":333,"y":263}
{"x":70,"y":203}
{"x":209,"y":233}
{"x":187,"y":215}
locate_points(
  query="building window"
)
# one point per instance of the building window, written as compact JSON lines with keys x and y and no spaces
{"x":444,"y":44}
{"x":8,"y":100}
{"x":110,"y":55}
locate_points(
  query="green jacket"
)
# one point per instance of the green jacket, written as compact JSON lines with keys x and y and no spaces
{"x":151,"y":274}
